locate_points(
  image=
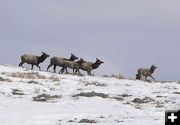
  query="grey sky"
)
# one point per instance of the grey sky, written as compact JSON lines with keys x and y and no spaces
{"x":125,"y":34}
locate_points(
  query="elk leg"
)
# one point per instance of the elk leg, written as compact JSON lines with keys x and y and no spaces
{"x":54,"y":68}
{"x":21,"y":64}
{"x":138,"y":76}
{"x":61,"y":71}
{"x":146,"y":78}
{"x":38,"y":67}
{"x":89,"y":73}
{"x":49,"y":66}
{"x":77,"y":71}
{"x":152,"y":77}
{"x":66,"y":70}
{"x":32,"y":67}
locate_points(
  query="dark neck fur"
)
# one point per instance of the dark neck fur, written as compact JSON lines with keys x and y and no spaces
{"x":152,"y":70}
{"x":41,"y":59}
{"x":79,"y":62}
{"x":71,"y":59}
{"x":96,"y":65}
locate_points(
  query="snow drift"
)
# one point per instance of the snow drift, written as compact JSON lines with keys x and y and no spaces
{"x":42,"y":98}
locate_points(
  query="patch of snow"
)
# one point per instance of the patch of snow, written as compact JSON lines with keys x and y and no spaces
{"x":20,"y":109}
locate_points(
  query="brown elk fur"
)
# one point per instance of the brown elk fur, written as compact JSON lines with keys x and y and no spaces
{"x":33,"y":60}
{"x":89,"y":66}
{"x":73,"y":65}
{"x":146,"y":72}
{"x":57,"y":61}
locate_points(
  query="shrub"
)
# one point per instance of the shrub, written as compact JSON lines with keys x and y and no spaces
{"x":54,"y":79}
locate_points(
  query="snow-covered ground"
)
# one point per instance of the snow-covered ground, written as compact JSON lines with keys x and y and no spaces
{"x":41,"y":98}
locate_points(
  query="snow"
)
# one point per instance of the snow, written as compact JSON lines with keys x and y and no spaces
{"x":20,"y":109}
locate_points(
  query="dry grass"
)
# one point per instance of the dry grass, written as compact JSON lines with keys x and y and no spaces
{"x":54,"y":78}
{"x":34,"y":75}
{"x":118,"y":76}
{"x":105,"y":76}
{"x":28,"y":75}
{"x":95,"y":83}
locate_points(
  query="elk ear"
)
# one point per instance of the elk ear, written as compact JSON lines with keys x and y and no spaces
{"x":72,"y":54}
{"x":42,"y":52}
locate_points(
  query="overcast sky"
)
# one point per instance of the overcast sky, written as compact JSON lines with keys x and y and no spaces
{"x":125,"y":34}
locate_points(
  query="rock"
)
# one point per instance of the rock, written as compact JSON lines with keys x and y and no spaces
{"x":17,"y":92}
{"x":71,"y":121}
{"x":176,"y":93}
{"x":144,"y":100}
{"x":92,"y":94}
{"x":45,"y":97}
{"x":159,"y":106}
{"x":87,"y":121}
{"x":137,"y":100}
{"x":148,"y":99}
{"x":5,"y":80}
{"x":125,"y":95}
{"x":118,"y":98}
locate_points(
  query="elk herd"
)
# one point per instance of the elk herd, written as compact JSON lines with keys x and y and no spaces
{"x":76,"y":66}
{"x":64,"y":63}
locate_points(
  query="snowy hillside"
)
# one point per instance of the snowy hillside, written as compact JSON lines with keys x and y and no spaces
{"x":41,"y":98}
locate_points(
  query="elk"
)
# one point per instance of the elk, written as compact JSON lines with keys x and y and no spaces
{"x":33,"y":60}
{"x":72,"y":65}
{"x":89,"y":66}
{"x":146,"y":72}
{"x":58,"y":61}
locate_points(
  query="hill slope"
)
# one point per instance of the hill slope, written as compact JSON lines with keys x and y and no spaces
{"x":42,"y":98}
